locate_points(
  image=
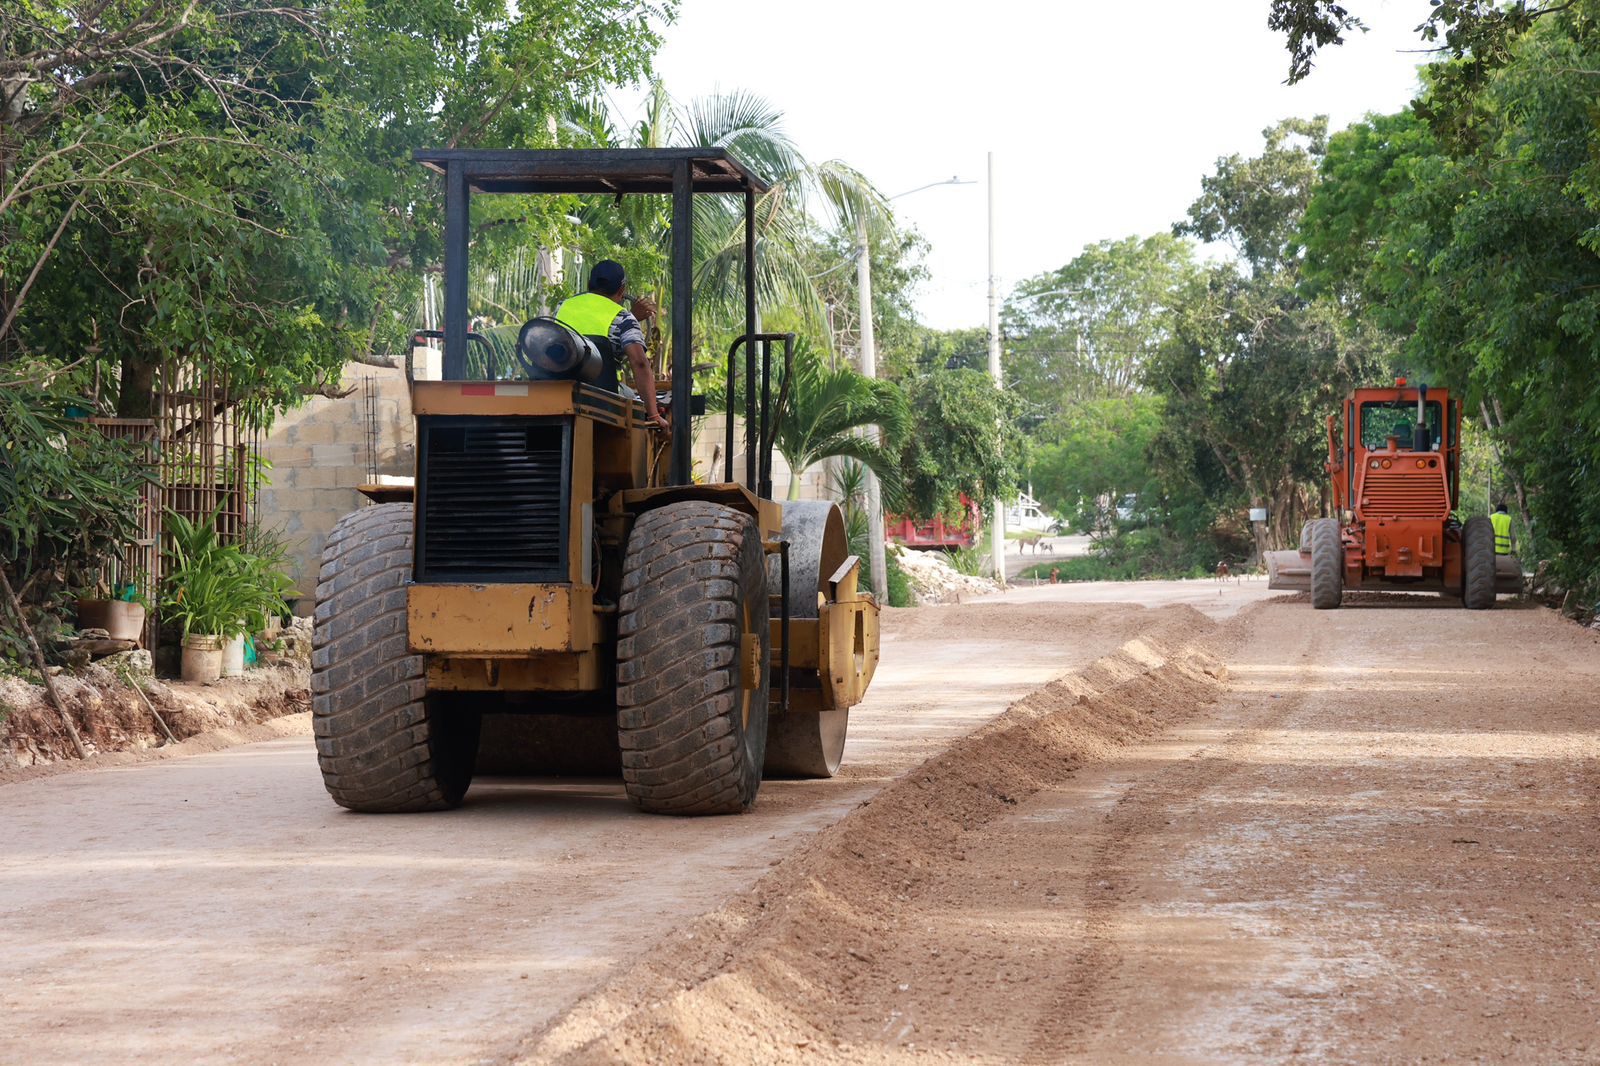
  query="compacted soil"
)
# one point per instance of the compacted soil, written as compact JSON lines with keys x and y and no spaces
{"x":1358,"y":836}
{"x":1068,"y":830}
{"x":220,"y":907}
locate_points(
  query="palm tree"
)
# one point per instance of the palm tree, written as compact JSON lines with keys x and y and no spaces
{"x":801,"y":197}
{"x":822,"y":415}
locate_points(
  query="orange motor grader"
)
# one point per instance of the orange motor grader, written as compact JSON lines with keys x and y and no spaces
{"x":1394,"y":457}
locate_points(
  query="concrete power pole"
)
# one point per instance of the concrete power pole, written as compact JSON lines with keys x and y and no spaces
{"x":997,"y":524}
{"x":869,"y":369}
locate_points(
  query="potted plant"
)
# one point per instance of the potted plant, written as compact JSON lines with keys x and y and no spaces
{"x":216,"y":593}
{"x":121,"y":617}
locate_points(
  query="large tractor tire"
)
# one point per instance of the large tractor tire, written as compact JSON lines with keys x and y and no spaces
{"x":692,"y":656}
{"x":383,"y":744}
{"x":1327,"y":564}
{"x":1477,"y":564}
{"x":807,"y":744}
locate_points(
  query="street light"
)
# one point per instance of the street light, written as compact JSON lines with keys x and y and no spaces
{"x":869,"y":369}
{"x":997,"y":531}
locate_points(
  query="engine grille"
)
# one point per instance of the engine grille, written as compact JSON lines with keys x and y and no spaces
{"x":492,"y":499}
{"x":1404,"y":494}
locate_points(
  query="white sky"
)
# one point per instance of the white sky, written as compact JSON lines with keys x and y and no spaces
{"x":1102,"y":116}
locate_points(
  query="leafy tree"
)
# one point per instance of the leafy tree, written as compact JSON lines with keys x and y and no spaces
{"x":1474,"y":29}
{"x":1084,"y":331}
{"x":964,"y":439}
{"x":1254,"y":366}
{"x":1483,"y":251}
{"x":231,"y":182}
{"x":1101,"y":454}
{"x":1254,"y":205}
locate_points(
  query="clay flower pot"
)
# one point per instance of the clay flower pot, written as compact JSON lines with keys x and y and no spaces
{"x":120,"y":619}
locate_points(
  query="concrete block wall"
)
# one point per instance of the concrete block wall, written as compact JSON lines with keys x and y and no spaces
{"x":706,"y":456}
{"x":319,"y":458}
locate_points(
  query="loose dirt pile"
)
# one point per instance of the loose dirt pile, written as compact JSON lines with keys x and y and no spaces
{"x":112,"y":718}
{"x":811,"y":962}
{"x":934,"y":581}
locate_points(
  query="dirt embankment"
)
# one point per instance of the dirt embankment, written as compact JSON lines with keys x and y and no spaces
{"x":118,"y":726}
{"x":814,"y":958}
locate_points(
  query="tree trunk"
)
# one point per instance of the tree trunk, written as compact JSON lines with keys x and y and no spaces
{"x":1496,"y":424}
{"x":136,"y":395}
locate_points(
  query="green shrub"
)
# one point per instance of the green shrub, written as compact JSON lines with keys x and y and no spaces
{"x":899,"y":584}
{"x":972,"y":562}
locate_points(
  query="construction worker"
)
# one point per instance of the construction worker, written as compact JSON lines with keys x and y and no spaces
{"x":599,"y":315}
{"x":1501,"y":520}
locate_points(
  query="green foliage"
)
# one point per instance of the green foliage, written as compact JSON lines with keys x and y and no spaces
{"x":899,"y":583}
{"x":964,"y":438}
{"x":1101,"y":454}
{"x":232,"y":182}
{"x":218,"y":588}
{"x":1153,"y":553}
{"x":1468,"y":226}
{"x":1479,"y":33}
{"x":848,"y":486}
{"x":824,"y":412}
{"x":1086,"y":331}
{"x":973,"y":562}
{"x":69,"y":496}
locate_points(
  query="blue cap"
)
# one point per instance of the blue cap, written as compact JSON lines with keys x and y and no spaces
{"x":607,"y":276}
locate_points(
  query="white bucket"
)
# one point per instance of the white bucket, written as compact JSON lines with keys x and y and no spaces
{"x":233,"y":656}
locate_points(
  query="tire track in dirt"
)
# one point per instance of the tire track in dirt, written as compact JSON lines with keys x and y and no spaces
{"x":820,"y":959}
{"x":1147,"y":807}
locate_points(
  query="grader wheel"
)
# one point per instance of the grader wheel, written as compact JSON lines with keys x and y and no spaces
{"x":1477,"y":564}
{"x":383,"y":745}
{"x":804,"y":743}
{"x":1327,"y":564}
{"x":691,"y":682}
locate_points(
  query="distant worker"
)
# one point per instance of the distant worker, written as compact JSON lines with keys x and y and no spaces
{"x":1501,"y":520}
{"x":599,"y":315}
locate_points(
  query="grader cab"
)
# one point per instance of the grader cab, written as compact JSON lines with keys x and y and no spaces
{"x":558,"y":558}
{"x":1394,"y":457}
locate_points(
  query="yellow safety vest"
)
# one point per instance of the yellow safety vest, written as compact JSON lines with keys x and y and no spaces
{"x":1502,"y":532}
{"x":589,"y":313}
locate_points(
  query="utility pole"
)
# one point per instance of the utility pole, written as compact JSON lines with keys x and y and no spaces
{"x":869,"y":370}
{"x":997,"y":525}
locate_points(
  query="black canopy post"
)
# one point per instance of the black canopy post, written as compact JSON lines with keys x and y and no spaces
{"x":751,"y":428}
{"x":455,"y":272}
{"x":682,"y":317}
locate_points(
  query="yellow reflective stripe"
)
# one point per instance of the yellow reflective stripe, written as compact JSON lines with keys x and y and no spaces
{"x":589,"y":313}
{"x":1502,"y":532}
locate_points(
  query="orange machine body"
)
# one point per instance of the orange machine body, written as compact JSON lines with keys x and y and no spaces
{"x":1395,"y":489}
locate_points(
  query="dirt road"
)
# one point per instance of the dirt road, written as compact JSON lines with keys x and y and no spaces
{"x":1369,"y":839}
{"x":220,"y":907}
{"x":1280,"y":835}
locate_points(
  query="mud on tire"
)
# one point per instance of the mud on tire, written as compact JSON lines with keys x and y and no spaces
{"x":1327,"y":564}
{"x":383,"y":744}
{"x":693,"y":634}
{"x":1477,"y":564}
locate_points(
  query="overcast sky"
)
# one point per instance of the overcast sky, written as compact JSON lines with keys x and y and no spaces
{"x":1102,"y":116}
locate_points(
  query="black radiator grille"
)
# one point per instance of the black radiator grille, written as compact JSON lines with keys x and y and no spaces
{"x":493,"y":499}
